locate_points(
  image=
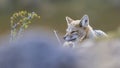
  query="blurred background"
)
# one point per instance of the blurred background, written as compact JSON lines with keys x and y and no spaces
{"x":103,"y":14}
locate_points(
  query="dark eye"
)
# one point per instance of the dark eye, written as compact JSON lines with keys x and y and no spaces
{"x":73,"y":31}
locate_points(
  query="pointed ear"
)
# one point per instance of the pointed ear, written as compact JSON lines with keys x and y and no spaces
{"x":69,"y":20}
{"x":84,"y":21}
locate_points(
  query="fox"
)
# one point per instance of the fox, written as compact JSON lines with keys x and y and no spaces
{"x":80,"y":30}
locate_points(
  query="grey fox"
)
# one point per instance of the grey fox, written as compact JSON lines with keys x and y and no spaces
{"x":79,"y":30}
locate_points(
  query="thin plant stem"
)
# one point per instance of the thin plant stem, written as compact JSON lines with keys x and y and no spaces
{"x":57,"y":37}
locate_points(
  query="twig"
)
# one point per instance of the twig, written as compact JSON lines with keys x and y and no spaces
{"x":57,"y":37}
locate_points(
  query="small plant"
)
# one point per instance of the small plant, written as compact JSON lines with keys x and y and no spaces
{"x":19,"y":22}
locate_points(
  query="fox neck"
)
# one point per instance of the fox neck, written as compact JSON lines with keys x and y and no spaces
{"x":90,"y":34}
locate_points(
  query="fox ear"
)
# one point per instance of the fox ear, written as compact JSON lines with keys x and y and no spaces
{"x":69,"y":20}
{"x":84,"y":21}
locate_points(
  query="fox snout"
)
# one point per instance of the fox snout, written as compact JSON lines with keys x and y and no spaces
{"x":70,"y":37}
{"x":64,"y":37}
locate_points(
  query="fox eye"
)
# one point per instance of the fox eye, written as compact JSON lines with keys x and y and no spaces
{"x":73,"y":31}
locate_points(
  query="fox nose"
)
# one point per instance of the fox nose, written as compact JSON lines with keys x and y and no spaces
{"x":64,"y":37}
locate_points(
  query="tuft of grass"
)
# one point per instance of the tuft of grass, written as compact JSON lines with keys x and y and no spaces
{"x":19,"y":22}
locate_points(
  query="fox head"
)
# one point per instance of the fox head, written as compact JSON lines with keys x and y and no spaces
{"x":77,"y":29}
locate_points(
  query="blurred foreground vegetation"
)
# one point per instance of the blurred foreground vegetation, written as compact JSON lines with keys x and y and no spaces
{"x":103,"y":14}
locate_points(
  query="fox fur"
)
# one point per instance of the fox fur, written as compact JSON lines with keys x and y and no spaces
{"x":80,"y":30}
